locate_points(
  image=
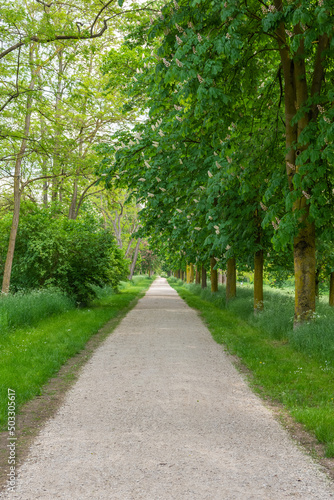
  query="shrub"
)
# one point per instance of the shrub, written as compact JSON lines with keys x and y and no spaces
{"x":72,"y":255}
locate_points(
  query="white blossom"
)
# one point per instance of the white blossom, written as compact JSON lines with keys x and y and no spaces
{"x":158,"y":179}
{"x":307,"y":196}
{"x":162,"y":189}
{"x":155,"y":144}
{"x":166,"y":63}
{"x":142,"y":179}
{"x":209,"y":173}
{"x":199,"y":37}
{"x":218,"y":165}
{"x":147,"y":164}
{"x":196,"y":201}
{"x":178,"y":210}
{"x":181,"y":162}
{"x":161,"y":133}
{"x":200,"y":79}
{"x":178,"y":39}
{"x":179,"y":63}
{"x":150,"y":195}
{"x":197,"y":228}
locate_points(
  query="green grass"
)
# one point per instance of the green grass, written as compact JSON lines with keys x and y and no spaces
{"x":31,"y":355}
{"x":294,"y":368}
{"x":24,"y":309}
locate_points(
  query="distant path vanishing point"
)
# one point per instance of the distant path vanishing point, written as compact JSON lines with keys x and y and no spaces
{"x":159,"y":412}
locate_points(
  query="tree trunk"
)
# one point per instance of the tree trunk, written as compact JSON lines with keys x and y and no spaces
{"x":17,"y":190}
{"x":72,"y":210}
{"x":198,"y":276}
{"x":305,"y":267}
{"x":213,"y":275}
{"x":191,"y":273}
{"x":331,"y":289}
{"x":296,"y":94}
{"x":203,"y":281}
{"x":231,"y":279}
{"x":223,"y":278}
{"x":134,"y":259}
{"x":258,"y":281}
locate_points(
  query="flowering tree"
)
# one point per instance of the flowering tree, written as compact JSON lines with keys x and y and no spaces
{"x":240,"y":136}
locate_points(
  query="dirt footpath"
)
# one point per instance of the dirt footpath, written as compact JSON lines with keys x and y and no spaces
{"x":159,"y":412}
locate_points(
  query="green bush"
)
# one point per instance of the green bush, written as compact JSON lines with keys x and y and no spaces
{"x":73,"y":255}
{"x":24,"y":309}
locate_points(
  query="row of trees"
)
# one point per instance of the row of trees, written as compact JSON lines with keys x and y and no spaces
{"x":235,"y":162}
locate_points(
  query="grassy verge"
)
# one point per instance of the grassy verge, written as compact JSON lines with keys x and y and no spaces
{"x":29,"y":356}
{"x":285,"y":366}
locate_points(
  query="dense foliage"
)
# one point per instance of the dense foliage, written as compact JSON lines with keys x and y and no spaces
{"x":68,"y":254}
{"x":237,"y":156}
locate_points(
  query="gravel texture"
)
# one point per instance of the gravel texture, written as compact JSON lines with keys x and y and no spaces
{"x":159,"y":412}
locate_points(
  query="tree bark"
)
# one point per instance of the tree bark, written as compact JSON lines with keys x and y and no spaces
{"x":203,"y":281}
{"x":134,"y":259}
{"x":72,"y":210}
{"x":191,"y":273}
{"x":331,"y":289}
{"x":305,"y":268}
{"x":296,"y":95}
{"x":213,"y":275}
{"x":198,"y":276}
{"x":258,"y":281}
{"x":231,"y":279}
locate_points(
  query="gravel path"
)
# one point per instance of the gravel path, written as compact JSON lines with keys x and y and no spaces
{"x":159,"y":412}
